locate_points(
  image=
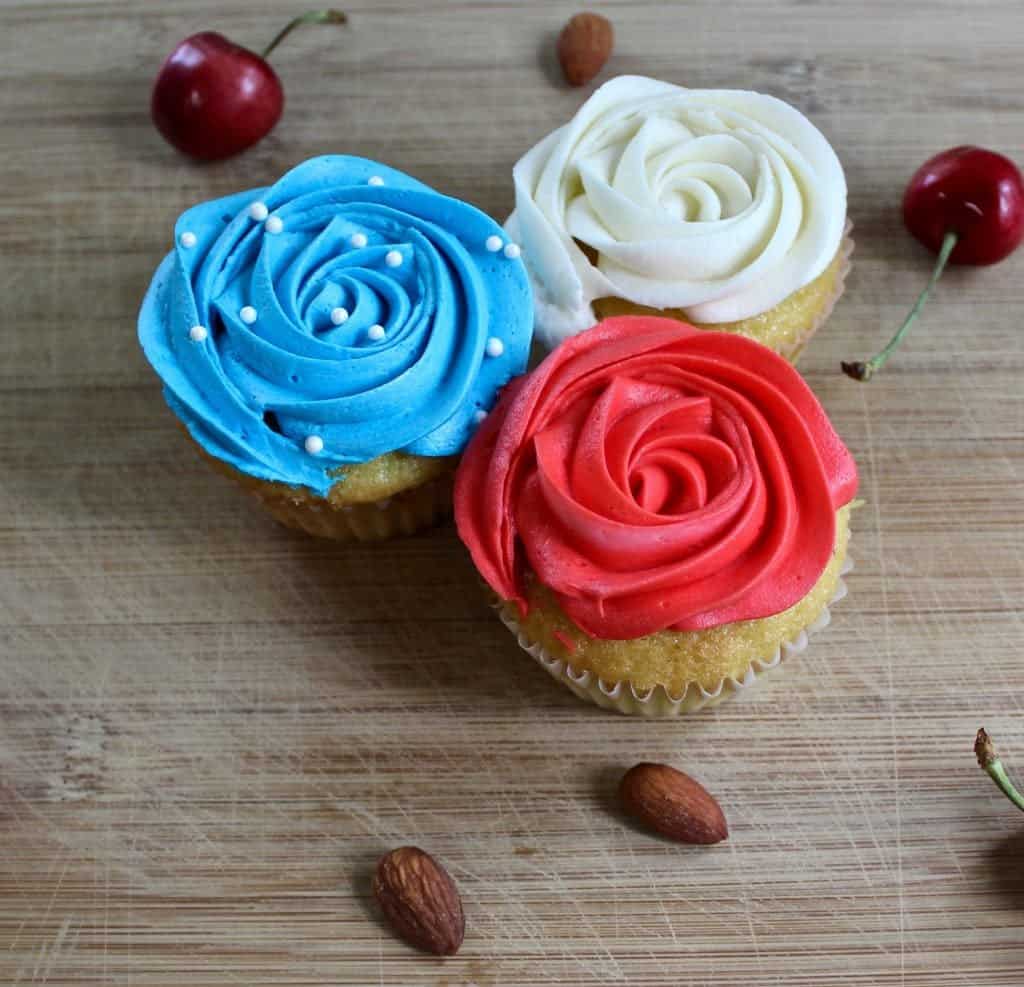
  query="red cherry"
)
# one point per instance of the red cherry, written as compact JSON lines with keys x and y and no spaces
{"x":974,"y":193}
{"x":965,"y":204}
{"x":213,"y":98}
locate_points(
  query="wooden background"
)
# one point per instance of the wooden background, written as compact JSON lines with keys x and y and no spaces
{"x":210,"y":728}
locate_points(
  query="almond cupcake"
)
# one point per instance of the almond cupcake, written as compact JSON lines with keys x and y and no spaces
{"x":661,"y":512}
{"x":331,"y":342}
{"x":722,"y":208}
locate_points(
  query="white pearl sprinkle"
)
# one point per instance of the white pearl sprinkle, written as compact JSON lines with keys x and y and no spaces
{"x":479,"y":415}
{"x":495,"y":347}
{"x":376,"y":180}
{"x":376,"y":333}
{"x":313,"y":444}
{"x":258,"y":211}
{"x":248,"y":315}
{"x":493,"y":244}
{"x":197,"y":334}
{"x":512,"y":250}
{"x":358,"y":240}
{"x":393,"y":258}
{"x":339,"y":315}
{"x":274,"y":224}
{"x":187,"y":239}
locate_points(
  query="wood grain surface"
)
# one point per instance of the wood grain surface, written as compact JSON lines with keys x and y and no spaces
{"x":210,"y":728}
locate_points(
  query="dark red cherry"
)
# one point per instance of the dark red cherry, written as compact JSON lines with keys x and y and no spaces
{"x":213,"y":98}
{"x":966,"y":205}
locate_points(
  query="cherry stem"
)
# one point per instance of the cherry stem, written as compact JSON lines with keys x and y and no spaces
{"x":310,"y":17}
{"x":865,"y":371}
{"x":985,"y":751}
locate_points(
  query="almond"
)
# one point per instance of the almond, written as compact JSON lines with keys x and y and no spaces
{"x":420,"y":901}
{"x":584,"y":46}
{"x":672,"y":804}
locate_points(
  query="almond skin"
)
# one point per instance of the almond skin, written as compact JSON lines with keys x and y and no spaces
{"x":584,"y":46}
{"x":672,"y":804}
{"x":420,"y":901}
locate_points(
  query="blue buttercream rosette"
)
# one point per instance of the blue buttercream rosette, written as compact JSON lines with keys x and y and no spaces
{"x":343,"y":313}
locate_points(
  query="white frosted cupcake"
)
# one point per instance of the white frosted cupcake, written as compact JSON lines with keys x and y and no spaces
{"x":725,"y":209}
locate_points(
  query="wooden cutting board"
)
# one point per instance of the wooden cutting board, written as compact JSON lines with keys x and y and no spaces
{"x":210,"y":728}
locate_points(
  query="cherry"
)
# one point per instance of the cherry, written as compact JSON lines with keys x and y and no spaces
{"x":213,"y":98}
{"x":974,"y":193}
{"x":965,"y":204}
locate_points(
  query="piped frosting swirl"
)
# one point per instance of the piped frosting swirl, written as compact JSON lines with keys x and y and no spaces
{"x":654,"y":476}
{"x":345,"y":312}
{"x":718,"y":202}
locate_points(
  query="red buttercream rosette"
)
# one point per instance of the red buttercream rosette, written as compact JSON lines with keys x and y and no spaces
{"x":655,"y":476}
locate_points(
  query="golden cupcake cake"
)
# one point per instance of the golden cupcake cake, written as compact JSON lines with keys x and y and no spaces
{"x":725,"y":209}
{"x":331,"y":342}
{"x":661,"y":513}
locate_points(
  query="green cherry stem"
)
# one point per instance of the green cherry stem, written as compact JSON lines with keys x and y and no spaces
{"x":985,"y":751}
{"x":865,"y":371}
{"x":310,"y":17}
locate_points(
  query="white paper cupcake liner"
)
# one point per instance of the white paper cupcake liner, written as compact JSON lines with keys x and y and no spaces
{"x":658,"y":701}
{"x":795,"y":349}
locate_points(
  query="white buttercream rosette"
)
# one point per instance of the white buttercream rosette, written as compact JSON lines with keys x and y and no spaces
{"x":718,"y":202}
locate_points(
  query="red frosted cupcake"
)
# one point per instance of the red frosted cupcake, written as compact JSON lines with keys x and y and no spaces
{"x":661,"y":512}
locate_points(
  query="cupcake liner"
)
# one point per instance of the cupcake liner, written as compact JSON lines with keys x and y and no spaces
{"x":795,"y":349}
{"x":658,"y":702}
{"x":402,"y":514}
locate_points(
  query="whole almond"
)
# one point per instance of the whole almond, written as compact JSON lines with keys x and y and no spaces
{"x":672,"y":804}
{"x":420,"y":900}
{"x":584,"y":46}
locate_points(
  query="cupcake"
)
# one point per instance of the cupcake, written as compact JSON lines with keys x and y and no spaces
{"x":331,"y":342}
{"x":661,"y":512}
{"x":722,"y":208}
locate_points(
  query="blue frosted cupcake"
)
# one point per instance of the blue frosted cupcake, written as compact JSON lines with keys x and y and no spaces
{"x":333,"y":341}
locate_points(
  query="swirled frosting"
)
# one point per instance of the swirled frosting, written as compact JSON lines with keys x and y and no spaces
{"x":655,"y":476}
{"x":345,"y":312}
{"x":718,"y":202}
